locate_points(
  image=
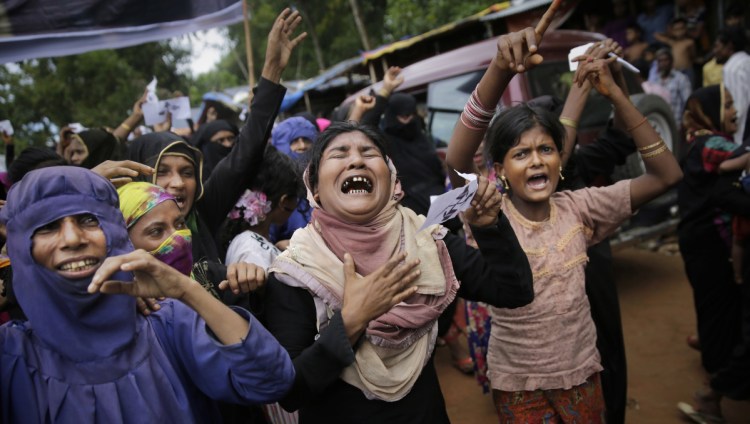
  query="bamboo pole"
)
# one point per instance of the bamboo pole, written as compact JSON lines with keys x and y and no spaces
{"x":248,"y":52}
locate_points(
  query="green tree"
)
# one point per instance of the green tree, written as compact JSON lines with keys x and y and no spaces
{"x":95,"y":89}
{"x":411,"y":17}
{"x":332,"y":21}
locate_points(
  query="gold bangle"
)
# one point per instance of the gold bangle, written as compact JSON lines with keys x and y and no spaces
{"x":569,"y":123}
{"x":126,"y":126}
{"x":650,"y":146}
{"x":638,"y":124}
{"x":656,"y":152}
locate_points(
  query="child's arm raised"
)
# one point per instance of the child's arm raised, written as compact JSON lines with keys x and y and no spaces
{"x":662,"y":170}
{"x":516,"y":53}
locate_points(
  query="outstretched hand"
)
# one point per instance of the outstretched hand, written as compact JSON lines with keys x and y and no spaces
{"x":121,"y":172}
{"x":366,"y":298}
{"x":517,"y":51}
{"x":281,"y":44}
{"x":485,"y":206}
{"x":151,"y":277}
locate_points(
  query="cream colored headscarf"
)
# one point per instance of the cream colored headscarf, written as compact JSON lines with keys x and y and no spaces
{"x":399,"y":343}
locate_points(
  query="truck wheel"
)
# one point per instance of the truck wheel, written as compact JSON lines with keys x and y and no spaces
{"x":659,"y":115}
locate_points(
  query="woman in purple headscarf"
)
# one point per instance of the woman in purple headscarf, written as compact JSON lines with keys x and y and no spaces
{"x":85,"y":355}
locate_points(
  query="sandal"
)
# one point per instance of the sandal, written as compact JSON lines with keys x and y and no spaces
{"x":699,"y":417}
{"x":465,"y":364}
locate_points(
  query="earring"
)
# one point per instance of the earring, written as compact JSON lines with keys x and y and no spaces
{"x":506,"y":187}
{"x":562,"y":177}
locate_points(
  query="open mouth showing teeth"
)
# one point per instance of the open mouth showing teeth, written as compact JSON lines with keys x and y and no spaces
{"x":357,"y":185}
{"x":79,"y":265}
{"x":538,"y":181}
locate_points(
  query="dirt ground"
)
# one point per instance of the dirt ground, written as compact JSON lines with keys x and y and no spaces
{"x":657,"y":315}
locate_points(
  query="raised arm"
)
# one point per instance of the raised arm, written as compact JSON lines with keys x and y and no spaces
{"x":516,"y":53}
{"x":123,"y":130}
{"x":662,"y":169}
{"x":391,"y":81}
{"x":233,"y":174}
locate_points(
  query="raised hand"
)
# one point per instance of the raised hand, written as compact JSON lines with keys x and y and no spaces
{"x":138,"y":105}
{"x":164,"y":126}
{"x":517,"y":51}
{"x":243,"y":277}
{"x":281,"y":44}
{"x":151,"y":277}
{"x":121,"y":172}
{"x":485,"y":206}
{"x":391,"y":81}
{"x":366,"y":298}
{"x":362,"y":104}
{"x":597,"y":72}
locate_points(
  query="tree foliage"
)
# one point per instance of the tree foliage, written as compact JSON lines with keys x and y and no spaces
{"x":99,"y":88}
{"x":411,"y":17}
{"x":95,"y":89}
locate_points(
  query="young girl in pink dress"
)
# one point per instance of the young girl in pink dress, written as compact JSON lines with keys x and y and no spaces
{"x":543,"y":362}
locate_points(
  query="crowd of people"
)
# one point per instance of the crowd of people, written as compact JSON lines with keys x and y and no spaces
{"x":280,"y":272}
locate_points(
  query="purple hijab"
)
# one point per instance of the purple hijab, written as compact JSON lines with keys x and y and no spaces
{"x":90,"y":358}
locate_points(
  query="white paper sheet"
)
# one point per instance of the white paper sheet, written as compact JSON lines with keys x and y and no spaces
{"x":151,"y":92}
{"x":6,"y":127}
{"x":580,"y":50}
{"x":448,"y":205}
{"x":156,"y":113}
{"x":77,"y":127}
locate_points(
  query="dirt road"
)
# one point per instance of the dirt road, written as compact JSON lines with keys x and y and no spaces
{"x":657,"y":315}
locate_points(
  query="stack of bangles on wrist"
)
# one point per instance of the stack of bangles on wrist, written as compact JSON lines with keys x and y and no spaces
{"x":569,"y":122}
{"x":653,"y":150}
{"x":475,"y":115}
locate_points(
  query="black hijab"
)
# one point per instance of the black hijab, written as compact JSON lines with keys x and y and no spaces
{"x":402,"y":104}
{"x":213,"y":153}
{"x":101,"y":145}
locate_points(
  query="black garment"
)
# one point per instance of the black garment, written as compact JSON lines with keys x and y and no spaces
{"x":413,"y":153}
{"x":498,"y":274}
{"x":213,"y":153}
{"x":733,"y":379}
{"x":32,"y":158}
{"x":231,"y":176}
{"x":591,"y":163}
{"x":101,"y":145}
{"x":706,"y":199}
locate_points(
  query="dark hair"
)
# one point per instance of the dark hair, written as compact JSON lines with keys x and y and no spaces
{"x":733,"y":35}
{"x":278,"y":175}
{"x":636,"y":27}
{"x":333,"y":131}
{"x":666,"y":51}
{"x":32,"y":158}
{"x":506,"y":129}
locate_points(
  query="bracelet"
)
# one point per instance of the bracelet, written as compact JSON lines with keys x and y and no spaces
{"x":475,"y":115}
{"x":126,"y":126}
{"x":656,"y":152}
{"x":650,"y":146}
{"x":569,"y":123}
{"x":638,"y":124}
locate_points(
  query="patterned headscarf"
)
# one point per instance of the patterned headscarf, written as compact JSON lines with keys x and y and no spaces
{"x":137,"y":198}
